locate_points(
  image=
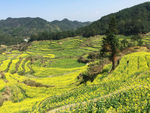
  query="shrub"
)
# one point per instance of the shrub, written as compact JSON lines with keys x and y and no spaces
{"x":93,"y":55}
{"x":91,"y":73}
{"x":83,"y":60}
{"x":35,"y":84}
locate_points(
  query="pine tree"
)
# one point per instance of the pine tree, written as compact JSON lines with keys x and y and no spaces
{"x":110,"y":43}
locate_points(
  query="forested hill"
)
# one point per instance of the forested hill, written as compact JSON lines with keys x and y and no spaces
{"x":25,"y":26}
{"x":130,"y":21}
{"x":19,"y":27}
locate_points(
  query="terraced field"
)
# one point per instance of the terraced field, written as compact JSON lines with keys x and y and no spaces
{"x":44,"y":79}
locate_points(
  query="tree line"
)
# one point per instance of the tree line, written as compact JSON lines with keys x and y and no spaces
{"x":9,"y":40}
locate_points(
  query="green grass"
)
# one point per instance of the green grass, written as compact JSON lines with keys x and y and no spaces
{"x":65,"y":63}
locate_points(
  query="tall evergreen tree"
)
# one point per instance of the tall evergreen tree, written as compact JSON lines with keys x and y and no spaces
{"x":110,"y":43}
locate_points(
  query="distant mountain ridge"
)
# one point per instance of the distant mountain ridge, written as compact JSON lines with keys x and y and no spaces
{"x":66,"y":24}
{"x":24,"y":27}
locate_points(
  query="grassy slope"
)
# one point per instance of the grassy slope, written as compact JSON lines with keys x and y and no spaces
{"x":54,"y":63}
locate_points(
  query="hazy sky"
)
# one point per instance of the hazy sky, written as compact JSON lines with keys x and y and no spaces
{"x":82,"y":10}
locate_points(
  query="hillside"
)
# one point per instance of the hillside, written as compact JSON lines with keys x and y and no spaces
{"x":24,"y":27}
{"x":44,"y":79}
{"x":130,"y":21}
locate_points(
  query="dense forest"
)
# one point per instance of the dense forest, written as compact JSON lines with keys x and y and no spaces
{"x":6,"y":39}
{"x":130,"y":21}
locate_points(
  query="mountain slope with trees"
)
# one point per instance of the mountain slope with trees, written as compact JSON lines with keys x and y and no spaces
{"x":130,"y":21}
{"x":14,"y":30}
{"x":26,"y":26}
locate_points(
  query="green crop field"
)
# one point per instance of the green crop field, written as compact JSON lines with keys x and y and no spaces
{"x":44,"y":79}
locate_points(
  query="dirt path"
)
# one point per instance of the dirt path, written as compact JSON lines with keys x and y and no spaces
{"x":93,"y":100}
